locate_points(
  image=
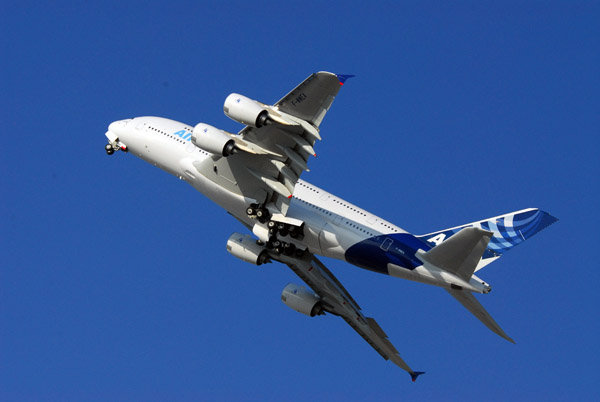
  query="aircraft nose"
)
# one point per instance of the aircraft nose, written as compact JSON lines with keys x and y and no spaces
{"x":117,"y":126}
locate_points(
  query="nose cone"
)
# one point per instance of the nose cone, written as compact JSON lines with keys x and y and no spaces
{"x":118,"y":126}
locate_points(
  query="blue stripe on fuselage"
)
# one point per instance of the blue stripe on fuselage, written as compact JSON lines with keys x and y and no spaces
{"x":376,"y":252}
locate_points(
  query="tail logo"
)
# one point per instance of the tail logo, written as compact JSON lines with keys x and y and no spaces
{"x":509,"y":230}
{"x":437,"y":239}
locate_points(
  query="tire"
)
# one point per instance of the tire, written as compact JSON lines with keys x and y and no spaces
{"x":289,"y":248}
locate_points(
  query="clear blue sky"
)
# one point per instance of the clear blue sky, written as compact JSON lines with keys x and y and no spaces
{"x":115,"y":283}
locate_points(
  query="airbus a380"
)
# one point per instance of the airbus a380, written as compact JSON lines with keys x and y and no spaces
{"x":255,"y":176}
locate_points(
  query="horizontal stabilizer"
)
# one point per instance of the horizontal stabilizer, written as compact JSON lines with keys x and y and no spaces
{"x":461,"y":253}
{"x":467,"y":299}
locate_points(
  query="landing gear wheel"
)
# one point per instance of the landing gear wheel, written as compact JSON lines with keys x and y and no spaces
{"x":289,"y":248}
{"x":250,"y":211}
{"x":109,"y":149}
{"x":262,"y":215}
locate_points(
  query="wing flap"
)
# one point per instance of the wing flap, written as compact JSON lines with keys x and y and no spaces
{"x":302,"y":143}
{"x":295,"y":157}
{"x":274,"y":184}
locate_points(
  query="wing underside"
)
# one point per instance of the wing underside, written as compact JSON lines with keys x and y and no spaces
{"x":274,"y":156}
{"x":339,"y":302}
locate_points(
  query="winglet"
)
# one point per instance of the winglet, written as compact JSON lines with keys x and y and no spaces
{"x":343,"y":78}
{"x":415,"y":374}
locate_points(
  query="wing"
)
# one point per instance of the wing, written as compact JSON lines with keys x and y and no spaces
{"x":311,"y":100}
{"x":274,"y":156}
{"x":338,"y":301}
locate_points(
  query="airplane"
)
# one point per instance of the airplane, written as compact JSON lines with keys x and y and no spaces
{"x":255,"y":176}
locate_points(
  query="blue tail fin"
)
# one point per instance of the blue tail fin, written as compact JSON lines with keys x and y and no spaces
{"x":509,"y":230}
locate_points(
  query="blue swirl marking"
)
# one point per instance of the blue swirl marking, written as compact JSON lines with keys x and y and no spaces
{"x":509,"y":230}
{"x":399,"y":249}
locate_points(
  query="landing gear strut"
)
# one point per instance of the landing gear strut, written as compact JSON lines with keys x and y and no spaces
{"x":113,"y":146}
{"x":284,"y":229}
{"x":277,"y":246}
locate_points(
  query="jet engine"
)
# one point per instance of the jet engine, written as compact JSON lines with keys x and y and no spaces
{"x":302,"y":300}
{"x":245,"y":110}
{"x":213,"y":140}
{"x":247,"y":249}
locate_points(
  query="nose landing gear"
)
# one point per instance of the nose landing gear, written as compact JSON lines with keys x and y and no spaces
{"x":113,"y":146}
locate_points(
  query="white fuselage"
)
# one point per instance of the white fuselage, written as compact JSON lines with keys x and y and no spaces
{"x":332,"y":225}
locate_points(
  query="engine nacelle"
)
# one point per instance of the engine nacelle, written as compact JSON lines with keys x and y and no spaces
{"x":212,"y":140}
{"x":245,"y":248}
{"x":302,"y":300}
{"x":245,"y":110}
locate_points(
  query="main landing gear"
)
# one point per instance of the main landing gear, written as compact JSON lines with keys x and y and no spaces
{"x":258,"y":212}
{"x":276,"y":230}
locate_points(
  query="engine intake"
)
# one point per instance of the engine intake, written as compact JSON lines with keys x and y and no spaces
{"x":246,"y":111}
{"x":213,"y":140}
{"x":245,"y":248}
{"x":302,"y":300}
